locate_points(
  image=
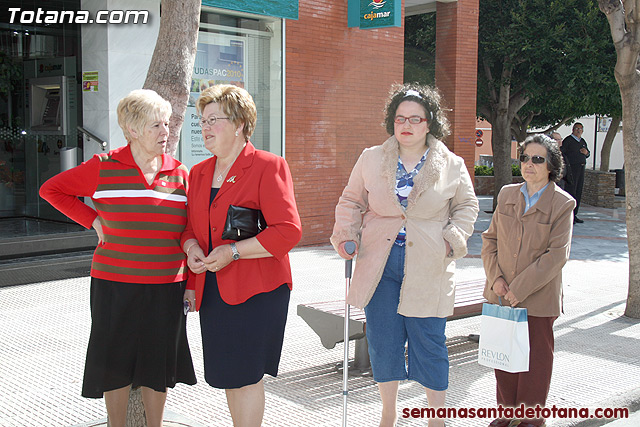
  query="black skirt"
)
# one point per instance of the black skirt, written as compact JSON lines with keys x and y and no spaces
{"x":138,"y":337}
{"x":241,"y":342}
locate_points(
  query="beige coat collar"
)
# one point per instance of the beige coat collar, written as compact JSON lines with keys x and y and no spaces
{"x":426,"y":178}
{"x":544,"y":203}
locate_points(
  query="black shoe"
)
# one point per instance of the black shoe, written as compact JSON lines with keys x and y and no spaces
{"x":500,"y":422}
{"x":577,"y":220}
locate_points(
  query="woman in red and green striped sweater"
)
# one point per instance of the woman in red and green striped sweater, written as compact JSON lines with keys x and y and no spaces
{"x":138,"y":335}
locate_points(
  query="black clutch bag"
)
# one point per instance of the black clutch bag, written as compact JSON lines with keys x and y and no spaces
{"x":243,"y":223}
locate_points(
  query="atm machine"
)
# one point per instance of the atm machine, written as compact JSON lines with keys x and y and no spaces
{"x":51,"y":140}
{"x":48,"y":105}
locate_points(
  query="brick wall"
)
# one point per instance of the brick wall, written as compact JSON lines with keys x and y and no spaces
{"x":457,"y":70}
{"x":599,"y":188}
{"x":337,"y":81}
{"x":484,"y":185}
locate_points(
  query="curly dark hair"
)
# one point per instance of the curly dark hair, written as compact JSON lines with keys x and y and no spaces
{"x":428,"y":97}
{"x":555,"y":164}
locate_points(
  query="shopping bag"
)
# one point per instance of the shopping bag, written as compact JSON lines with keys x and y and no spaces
{"x":504,"y":338}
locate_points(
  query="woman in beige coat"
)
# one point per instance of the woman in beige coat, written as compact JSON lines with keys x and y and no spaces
{"x":410,"y":207}
{"x":523,"y":251}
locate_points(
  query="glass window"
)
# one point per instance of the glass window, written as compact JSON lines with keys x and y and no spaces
{"x":240,"y":49}
{"x":39,"y":107}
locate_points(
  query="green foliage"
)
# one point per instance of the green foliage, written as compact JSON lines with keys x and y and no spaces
{"x":483,"y":171}
{"x":420,"y":49}
{"x":418,"y":67}
{"x":583,"y":70}
{"x":488,"y":171}
{"x":561,"y":51}
{"x":561,"y":54}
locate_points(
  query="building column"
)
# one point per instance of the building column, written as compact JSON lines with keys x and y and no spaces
{"x":457,"y":71}
{"x":121,"y":54}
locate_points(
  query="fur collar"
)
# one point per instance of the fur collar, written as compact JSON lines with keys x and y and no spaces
{"x":426,"y":178}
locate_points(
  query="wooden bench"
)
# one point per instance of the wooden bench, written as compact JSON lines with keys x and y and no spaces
{"x":327,"y":319}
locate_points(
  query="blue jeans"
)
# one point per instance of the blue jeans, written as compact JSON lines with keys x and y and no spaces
{"x":388,"y":332}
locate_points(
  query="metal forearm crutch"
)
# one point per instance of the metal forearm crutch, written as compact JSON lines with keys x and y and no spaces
{"x":350,"y":248}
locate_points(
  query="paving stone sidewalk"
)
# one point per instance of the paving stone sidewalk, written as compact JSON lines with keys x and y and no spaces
{"x":45,"y":328}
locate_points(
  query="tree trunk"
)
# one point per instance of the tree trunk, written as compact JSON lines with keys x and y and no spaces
{"x":625,"y":33}
{"x":135,"y":411}
{"x":605,"y":153}
{"x":501,"y":145}
{"x":630,"y":92}
{"x":170,"y":76}
{"x":173,"y":58}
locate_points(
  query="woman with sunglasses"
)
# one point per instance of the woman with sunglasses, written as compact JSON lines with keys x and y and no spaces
{"x":410,"y":207}
{"x":523,"y":252}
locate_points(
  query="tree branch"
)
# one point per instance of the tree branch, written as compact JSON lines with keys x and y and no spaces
{"x":504,"y":101}
{"x":519,"y":125}
{"x":517,"y":102}
{"x":557,"y":125}
{"x":489,"y":76}
{"x":623,"y":22}
{"x":614,"y":11}
{"x":488,"y":113}
{"x":529,"y":118}
{"x":632,"y":12}
{"x":516,"y":128}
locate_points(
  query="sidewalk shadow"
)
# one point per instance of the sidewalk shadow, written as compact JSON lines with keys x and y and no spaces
{"x":314,"y":385}
{"x":602,"y":339}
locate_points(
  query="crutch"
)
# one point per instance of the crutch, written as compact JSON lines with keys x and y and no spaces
{"x":350,"y":248}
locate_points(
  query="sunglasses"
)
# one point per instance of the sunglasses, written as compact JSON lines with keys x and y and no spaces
{"x":536,"y":160}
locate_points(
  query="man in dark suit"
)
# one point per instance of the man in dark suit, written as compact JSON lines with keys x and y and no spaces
{"x":575,"y":151}
{"x":566,"y":179}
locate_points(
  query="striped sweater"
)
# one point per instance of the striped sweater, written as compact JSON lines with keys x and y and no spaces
{"x":142,"y":223}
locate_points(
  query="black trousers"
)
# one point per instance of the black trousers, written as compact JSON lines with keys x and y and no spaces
{"x":575,"y":187}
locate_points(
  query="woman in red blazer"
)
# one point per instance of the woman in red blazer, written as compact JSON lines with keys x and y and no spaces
{"x":240,"y":288}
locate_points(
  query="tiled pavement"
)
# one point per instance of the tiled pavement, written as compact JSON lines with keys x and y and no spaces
{"x":45,"y":326}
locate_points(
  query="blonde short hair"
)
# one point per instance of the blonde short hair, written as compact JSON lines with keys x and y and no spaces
{"x":235,"y":102}
{"x":139,"y":108}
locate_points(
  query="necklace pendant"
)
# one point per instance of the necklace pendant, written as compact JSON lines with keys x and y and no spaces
{"x":219,"y":178}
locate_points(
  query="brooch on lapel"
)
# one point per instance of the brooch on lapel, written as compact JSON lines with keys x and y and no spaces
{"x":232,"y":179}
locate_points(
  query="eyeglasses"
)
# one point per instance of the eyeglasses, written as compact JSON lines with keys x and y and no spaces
{"x":414,"y":120}
{"x":536,"y":160}
{"x":211,"y":120}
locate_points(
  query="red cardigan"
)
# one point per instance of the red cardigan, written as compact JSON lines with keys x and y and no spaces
{"x":259,"y":180}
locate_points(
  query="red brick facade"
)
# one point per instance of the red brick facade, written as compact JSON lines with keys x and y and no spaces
{"x":457,"y":71}
{"x":337,"y":81}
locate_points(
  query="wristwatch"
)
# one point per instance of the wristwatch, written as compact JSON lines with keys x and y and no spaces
{"x":236,"y":254}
